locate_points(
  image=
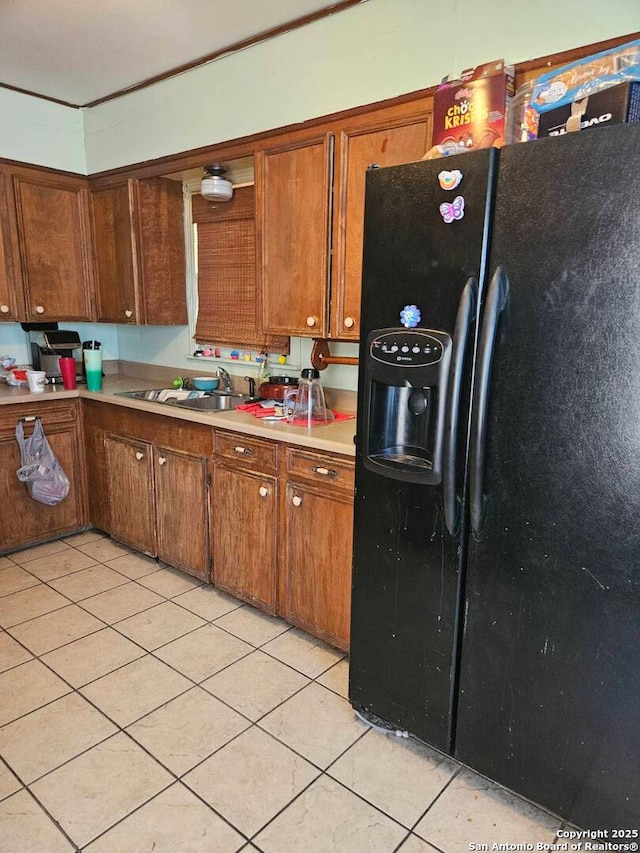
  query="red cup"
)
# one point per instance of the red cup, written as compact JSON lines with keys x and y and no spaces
{"x":68,"y":371}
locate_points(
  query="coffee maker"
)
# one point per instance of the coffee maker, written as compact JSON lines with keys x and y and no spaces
{"x":47,"y":344}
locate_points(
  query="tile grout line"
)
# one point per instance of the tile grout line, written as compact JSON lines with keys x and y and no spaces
{"x":252,"y":723}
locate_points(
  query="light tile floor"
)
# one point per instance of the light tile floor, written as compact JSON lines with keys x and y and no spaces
{"x":141,"y":710}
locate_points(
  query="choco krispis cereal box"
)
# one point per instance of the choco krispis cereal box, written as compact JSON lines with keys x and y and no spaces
{"x":471,"y":111}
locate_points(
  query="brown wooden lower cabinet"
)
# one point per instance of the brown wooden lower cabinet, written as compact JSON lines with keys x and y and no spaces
{"x":24,"y":521}
{"x":280,"y":515}
{"x":245,"y":535}
{"x":282,"y":530}
{"x":182,"y":510}
{"x":150,"y":483}
{"x":316,"y":546}
{"x":317,"y":562}
{"x":131,"y":492}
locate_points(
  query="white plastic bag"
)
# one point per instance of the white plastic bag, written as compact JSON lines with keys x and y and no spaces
{"x":40,"y":470}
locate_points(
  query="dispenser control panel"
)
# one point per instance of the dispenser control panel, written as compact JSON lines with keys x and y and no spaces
{"x":403,"y":348}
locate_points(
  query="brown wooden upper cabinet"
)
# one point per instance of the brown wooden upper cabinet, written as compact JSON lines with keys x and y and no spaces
{"x":386,"y":142}
{"x":310,"y":202}
{"x":293,"y":186}
{"x":53,"y":232}
{"x":11,"y":306}
{"x":138,"y":236}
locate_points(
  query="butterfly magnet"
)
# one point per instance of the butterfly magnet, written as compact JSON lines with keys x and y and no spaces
{"x":450,"y":180}
{"x":452,"y":211}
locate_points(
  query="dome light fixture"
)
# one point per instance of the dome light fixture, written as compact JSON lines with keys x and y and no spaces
{"x":214,"y":186}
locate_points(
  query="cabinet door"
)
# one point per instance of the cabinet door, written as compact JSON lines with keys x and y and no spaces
{"x":111,"y":219}
{"x":245,"y":536}
{"x":24,"y":521}
{"x":131,"y":497}
{"x":54,"y":249}
{"x":317,"y":570}
{"x":182,"y":511}
{"x":293,"y":186}
{"x":358,"y":149}
{"x":159,"y":207}
{"x":10,"y":295}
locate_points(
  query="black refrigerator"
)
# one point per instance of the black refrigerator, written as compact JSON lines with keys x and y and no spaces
{"x":496,"y":577}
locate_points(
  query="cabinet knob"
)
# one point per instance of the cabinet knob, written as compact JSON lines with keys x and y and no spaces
{"x":297,"y":500}
{"x":263,"y":491}
{"x":128,"y":314}
{"x":349,"y":322}
{"x":39,"y":309}
{"x":139,"y":455}
{"x":4,"y":309}
{"x":162,"y":460}
{"x":311,"y":322}
{"x":245,"y":451}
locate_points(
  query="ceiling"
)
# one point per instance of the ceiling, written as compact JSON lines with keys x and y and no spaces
{"x":82,"y":51}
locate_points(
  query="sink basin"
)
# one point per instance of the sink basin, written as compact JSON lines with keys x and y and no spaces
{"x":148,"y":394}
{"x":217,"y":401}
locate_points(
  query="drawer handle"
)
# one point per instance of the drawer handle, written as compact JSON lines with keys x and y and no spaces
{"x":263,"y":491}
{"x":245,"y":451}
{"x":325,"y":472}
{"x":162,"y":459}
{"x":28,"y":418}
{"x":128,"y":313}
{"x":139,"y":455}
{"x":297,"y":500}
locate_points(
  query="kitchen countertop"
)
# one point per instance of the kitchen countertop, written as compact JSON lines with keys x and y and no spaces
{"x":335,"y":438}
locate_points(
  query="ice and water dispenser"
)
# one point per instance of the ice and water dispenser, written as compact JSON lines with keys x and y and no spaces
{"x":406,"y":376}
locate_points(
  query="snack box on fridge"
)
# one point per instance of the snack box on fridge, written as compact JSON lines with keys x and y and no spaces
{"x":470,"y":112}
{"x":617,"y":105}
{"x":587,"y":76}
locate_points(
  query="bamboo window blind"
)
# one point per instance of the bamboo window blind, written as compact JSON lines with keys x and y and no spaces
{"x":227,"y":277}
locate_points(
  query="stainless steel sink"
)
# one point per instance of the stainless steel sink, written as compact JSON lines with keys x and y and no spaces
{"x":217,"y":401}
{"x":148,"y":394}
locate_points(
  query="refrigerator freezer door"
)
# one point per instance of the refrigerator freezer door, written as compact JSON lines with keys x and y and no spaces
{"x":550,"y":667}
{"x":406,"y":564}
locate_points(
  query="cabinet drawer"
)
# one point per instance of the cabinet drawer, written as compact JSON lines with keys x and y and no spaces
{"x":322,"y":468}
{"x":248,"y":452}
{"x":51,"y":414}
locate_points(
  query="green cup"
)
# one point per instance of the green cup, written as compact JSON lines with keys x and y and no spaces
{"x":93,"y":369}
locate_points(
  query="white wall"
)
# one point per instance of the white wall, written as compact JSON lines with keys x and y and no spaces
{"x":37,"y":131}
{"x":376,"y":50}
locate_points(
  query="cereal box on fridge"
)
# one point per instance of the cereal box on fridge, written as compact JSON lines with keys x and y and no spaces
{"x":470,"y":112}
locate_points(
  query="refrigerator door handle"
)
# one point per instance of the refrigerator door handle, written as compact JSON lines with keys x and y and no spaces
{"x":495,"y":303}
{"x":464,"y":320}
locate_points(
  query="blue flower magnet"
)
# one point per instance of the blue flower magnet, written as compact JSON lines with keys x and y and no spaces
{"x":410,"y":316}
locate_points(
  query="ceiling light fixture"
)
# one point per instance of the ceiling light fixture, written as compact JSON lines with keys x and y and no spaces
{"x":214,"y":186}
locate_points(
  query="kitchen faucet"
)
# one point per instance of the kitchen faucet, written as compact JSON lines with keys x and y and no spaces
{"x":252,"y":385}
{"x":226,"y":379}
